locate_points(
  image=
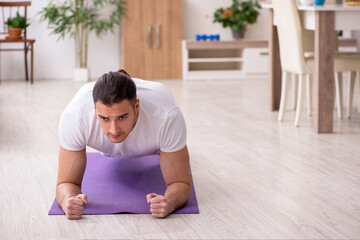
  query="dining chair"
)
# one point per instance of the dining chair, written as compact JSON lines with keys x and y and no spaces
{"x":295,"y":60}
{"x":308,"y":37}
{"x":351,"y":93}
{"x":9,"y":9}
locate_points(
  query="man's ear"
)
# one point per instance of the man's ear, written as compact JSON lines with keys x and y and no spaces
{"x":137,"y":105}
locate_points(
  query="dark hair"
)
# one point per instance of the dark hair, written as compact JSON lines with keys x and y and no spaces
{"x":114,"y":87}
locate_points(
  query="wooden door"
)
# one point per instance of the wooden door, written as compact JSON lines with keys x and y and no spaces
{"x":133,"y":38}
{"x":151,"y":36}
{"x":168,"y":28}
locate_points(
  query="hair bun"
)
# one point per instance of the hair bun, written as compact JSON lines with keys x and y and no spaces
{"x":124,"y":72}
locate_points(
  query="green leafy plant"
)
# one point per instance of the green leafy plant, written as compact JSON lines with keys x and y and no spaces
{"x":17,"y":22}
{"x":76,"y":18}
{"x":238,"y":15}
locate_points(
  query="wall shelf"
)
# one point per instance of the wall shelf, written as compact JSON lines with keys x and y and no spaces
{"x":216,"y":59}
{"x":235,"y":59}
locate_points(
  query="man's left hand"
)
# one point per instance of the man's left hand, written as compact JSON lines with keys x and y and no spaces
{"x":159,"y":205}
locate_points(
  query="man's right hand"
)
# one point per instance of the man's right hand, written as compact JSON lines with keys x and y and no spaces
{"x":75,"y":206}
{"x":72,"y":166}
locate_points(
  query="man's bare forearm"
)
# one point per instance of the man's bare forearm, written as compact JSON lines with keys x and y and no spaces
{"x":177,"y":194}
{"x":64,"y":191}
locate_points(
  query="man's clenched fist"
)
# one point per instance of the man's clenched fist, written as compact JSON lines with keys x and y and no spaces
{"x":75,"y":206}
{"x":159,"y":205}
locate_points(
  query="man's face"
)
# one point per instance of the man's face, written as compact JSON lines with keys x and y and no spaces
{"x":118,"y":120}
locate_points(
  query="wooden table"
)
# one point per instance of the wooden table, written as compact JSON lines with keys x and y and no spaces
{"x":324,"y":20}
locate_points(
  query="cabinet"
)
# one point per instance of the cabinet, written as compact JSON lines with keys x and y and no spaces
{"x":217,"y":59}
{"x":151,"y":39}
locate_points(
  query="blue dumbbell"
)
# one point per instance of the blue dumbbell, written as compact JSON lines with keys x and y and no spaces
{"x":205,"y":37}
{"x":214,"y":37}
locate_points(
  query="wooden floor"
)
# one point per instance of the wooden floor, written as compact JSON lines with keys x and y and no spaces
{"x":254,"y":177}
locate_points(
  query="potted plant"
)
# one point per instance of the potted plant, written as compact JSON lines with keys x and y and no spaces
{"x":76,"y":19}
{"x":237,"y":16}
{"x":15,"y":26}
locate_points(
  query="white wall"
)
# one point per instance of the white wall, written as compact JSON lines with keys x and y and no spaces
{"x":198,"y":19}
{"x":55,"y":59}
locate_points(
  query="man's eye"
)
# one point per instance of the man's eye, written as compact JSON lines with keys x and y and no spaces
{"x":103,"y":119}
{"x":122,"y":117}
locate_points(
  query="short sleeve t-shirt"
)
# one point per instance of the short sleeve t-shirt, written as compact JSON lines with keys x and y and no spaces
{"x":160,"y":124}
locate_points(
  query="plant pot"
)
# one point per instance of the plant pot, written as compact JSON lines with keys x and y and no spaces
{"x":81,"y":74}
{"x":239,"y":34}
{"x":14,"y":34}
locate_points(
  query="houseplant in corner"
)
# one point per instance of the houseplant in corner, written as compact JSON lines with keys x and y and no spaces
{"x":237,"y":16}
{"x":15,"y":27}
{"x":76,"y":19}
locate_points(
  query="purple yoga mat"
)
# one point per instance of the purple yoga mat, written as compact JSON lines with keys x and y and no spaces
{"x":115,"y":185}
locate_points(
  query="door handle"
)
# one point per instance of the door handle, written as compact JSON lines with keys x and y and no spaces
{"x":149,"y":35}
{"x":157,"y":31}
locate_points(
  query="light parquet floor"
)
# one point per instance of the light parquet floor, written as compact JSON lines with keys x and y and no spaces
{"x":254,"y":177}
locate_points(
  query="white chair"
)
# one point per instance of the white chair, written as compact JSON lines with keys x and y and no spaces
{"x":295,"y":61}
{"x":351,"y":93}
{"x":308,"y":37}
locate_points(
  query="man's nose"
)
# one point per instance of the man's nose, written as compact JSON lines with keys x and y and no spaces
{"x":114,"y":127}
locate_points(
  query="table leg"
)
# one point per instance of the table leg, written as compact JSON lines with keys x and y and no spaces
{"x":275,"y":65}
{"x":324,"y":71}
{"x":0,"y":63}
{"x":356,"y":35}
{"x":32,"y":64}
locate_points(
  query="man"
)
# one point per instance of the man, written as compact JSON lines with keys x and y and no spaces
{"x":123,"y":117}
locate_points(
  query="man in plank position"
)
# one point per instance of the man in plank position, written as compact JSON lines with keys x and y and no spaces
{"x":123,"y":117}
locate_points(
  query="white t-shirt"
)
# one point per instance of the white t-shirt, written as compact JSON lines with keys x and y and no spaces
{"x":160,"y":124}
